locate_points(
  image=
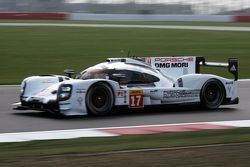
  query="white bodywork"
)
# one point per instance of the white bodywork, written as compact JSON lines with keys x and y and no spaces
{"x":177,"y":84}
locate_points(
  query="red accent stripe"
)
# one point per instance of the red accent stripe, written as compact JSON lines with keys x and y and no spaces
{"x":33,"y":16}
{"x":161,"y":129}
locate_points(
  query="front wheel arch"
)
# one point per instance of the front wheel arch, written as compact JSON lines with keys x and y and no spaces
{"x":212,"y":94}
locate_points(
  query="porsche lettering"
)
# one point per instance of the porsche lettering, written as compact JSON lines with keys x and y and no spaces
{"x":175,"y":59}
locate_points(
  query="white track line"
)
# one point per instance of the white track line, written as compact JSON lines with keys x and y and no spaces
{"x":52,"y":135}
{"x":100,"y":132}
{"x":238,"y":124}
{"x":244,"y":80}
{"x":213,"y":28}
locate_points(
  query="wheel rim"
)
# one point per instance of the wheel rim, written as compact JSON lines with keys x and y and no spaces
{"x":212,"y":93}
{"x":99,"y":98}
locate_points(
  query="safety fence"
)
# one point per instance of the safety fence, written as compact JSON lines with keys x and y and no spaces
{"x":122,"y":17}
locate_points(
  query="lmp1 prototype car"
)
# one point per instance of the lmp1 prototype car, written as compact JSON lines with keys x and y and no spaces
{"x":131,"y":82}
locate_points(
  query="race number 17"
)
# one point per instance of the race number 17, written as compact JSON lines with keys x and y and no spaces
{"x":136,"y":99}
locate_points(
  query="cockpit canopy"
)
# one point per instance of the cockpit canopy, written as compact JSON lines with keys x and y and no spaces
{"x":120,"y":72}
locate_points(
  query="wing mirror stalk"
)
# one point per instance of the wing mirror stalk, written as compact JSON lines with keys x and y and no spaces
{"x":69,"y":72}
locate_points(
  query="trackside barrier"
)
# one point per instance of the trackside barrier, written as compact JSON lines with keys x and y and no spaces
{"x":166,"y":18}
{"x":33,"y":16}
{"x":121,"y":17}
{"x":141,"y":17}
{"x":241,"y":19}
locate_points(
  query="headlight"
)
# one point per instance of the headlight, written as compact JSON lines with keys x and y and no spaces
{"x":66,"y":88}
{"x":64,"y":92}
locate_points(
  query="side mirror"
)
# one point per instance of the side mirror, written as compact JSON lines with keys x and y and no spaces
{"x":69,"y":72}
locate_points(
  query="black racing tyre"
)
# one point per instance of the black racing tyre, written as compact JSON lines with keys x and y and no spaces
{"x":212,"y":94}
{"x":100,"y":99}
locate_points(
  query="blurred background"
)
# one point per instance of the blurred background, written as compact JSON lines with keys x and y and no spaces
{"x":169,"y":7}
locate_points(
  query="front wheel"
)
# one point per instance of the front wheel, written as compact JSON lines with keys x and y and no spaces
{"x":212,"y":94}
{"x":99,"y":99}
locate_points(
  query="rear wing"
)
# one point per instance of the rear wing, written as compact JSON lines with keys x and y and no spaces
{"x":178,"y":66}
{"x":231,"y":65}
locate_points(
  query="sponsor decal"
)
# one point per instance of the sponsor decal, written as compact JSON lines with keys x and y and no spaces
{"x":113,"y":60}
{"x":174,"y":59}
{"x":230,"y":83}
{"x":46,"y":92}
{"x":171,"y":65}
{"x":229,"y":89}
{"x":172,"y":62}
{"x":43,"y":93}
{"x":80,"y":100}
{"x":153,"y":91}
{"x":180,"y":94}
{"x":148,"y":60}
{"x":136,"y":92}
{"x":229,"y":86}
{"x":49,"y":81}
{"x":136,"y":99}
{"x":125,"y":97}
{"x":120,"y":93}
{"x":233,"y":68}
{"x":80,"y":91}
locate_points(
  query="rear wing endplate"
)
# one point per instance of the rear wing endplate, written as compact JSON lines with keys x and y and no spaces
{"x":232,"y":65}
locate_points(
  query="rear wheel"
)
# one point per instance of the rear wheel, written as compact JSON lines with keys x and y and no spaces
{"x":212,"y":94}
{"x":99,"y":99}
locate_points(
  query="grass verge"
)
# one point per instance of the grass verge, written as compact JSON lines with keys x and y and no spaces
{"x":27,"y":150}
{"x":26,"y":51}
{"x":235,"y":24}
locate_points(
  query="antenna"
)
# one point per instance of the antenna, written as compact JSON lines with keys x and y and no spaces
{"x":129,"y":53}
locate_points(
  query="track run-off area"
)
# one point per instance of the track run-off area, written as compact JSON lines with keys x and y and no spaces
{"x":35,"y":125}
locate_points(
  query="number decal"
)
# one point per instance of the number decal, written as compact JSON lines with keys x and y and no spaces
{"x":136,"y":99}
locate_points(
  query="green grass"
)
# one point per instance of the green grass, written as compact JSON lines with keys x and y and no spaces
{"x":26,"y":150}
{"x":26,"y":51}
{"x":131,"y":22}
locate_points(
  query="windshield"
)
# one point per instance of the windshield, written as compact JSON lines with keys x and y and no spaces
{"x":119,"y":75}
{"x":95,"y":74}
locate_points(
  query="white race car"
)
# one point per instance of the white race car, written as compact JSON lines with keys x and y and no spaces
{"x":131,"y":82}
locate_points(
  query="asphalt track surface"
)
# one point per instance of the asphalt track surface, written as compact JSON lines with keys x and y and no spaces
{"x":28,"y":120}
{"x":213,"y":28}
